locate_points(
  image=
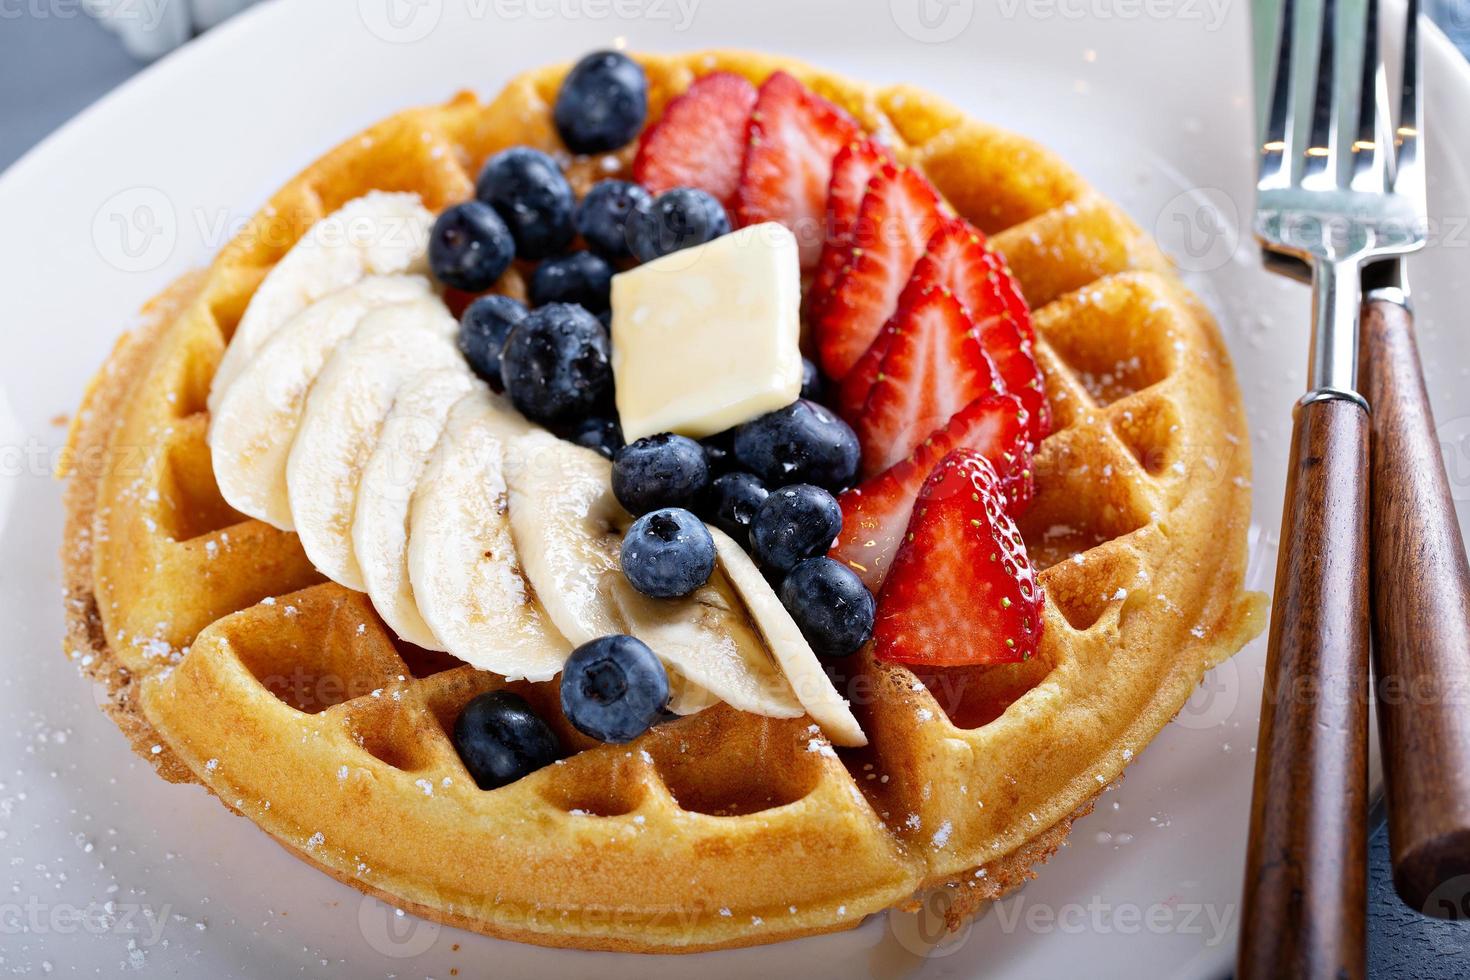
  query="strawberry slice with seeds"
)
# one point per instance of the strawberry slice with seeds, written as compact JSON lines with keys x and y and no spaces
{"x":1010,"y":291}
{"x":933,"y":367}
{"x":899,"y":214}
{"x":699,"y":141}
{"x":793,"y":137}
{"x":852,"y":391}
{"x":962,"y":590}
{"x":956,"y":258}
{"x":853,"y":168}
{"x":876,"y":513}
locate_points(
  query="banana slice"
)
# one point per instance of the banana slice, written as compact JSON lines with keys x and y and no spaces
{"x":462,"y":561}
{"x":251,"y":432}
{"x":378,"y":233}
{"x":708,"y":639}
{"x":687,"y":697}
{"x":569,"y":528}
{"x":344,"y":418}
{"x":802,"y":668}
{"x":380,"y":529}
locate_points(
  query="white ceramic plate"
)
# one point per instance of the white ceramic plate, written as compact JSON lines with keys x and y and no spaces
{"x":1151,"y":101}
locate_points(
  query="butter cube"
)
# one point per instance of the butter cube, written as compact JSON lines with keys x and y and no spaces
{"x":708,"y":337}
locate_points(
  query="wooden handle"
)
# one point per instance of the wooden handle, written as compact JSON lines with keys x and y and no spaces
{"x":1421,"y":626}
{"x":1305,"y":874}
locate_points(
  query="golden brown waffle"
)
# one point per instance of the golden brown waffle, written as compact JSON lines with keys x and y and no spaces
{"x":229,"y":663}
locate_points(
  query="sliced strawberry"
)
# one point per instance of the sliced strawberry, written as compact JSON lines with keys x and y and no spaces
{"x":1010,"y":291}
{"x":699,"y":141}
{"x":962,"y":590}
{"x":876,"y":513}
{"x":793,"y":137}
{"x":899,"y":214}
{"x":854,"y":167}
{"x":956,"y":257}
{"x":934,"y":366}
{"x":852,"y":391}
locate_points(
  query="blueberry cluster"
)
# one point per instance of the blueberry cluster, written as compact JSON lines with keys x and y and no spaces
{"x":612,"y":689}
{"x":674,"y":484}
{"x":552,"y":359}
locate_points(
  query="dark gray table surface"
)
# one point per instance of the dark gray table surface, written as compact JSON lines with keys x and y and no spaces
{"x":53,"y":67}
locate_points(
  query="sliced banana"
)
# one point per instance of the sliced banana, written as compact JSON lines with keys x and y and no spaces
{"x":252,"y":430}
{"x":687,"y":697}
{"x":802,"y":668}
{"x":344,"y":418}
{"x":709,"y":640}
{"x":463,"y":564}
{"x":381,"y":526}
{"x":569,"y":528}
{"x":376,"y":234}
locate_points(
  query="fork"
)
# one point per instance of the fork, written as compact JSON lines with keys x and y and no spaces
{"x":1420,"y":576}
{"x":1335,"y":204}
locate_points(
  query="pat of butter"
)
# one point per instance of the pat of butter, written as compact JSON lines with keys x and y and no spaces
{"x":708,"y":337}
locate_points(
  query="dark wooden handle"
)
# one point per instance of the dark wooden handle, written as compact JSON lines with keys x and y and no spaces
{"x":1305,"y":874}
{"x":1421,"y":626}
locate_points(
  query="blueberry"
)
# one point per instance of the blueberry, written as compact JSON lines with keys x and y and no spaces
{"x":470,"y":247}
{"x":831,"y":606}
{"x":603,"y":435}
{"x":796,"y":522}
{"x":676,"y":219}
{"x":555,"y":364}
{"x":731,"y":502}
{"x":668,"y":553}
{"x":580,"y":278}
{"x":602,"y":217}
{"x":613,"y":689}
{"x":801,"y":443}
{"x":659,"y":471}
{"x":500,"y":739}
{"x":529,"y":192}
{"x":811,"y":381}
{"x":602,"y":103}
{"x":482,"y":331}
{"x":719,"y":452}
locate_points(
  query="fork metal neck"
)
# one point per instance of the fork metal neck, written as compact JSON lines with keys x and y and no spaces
{"x":1333,"y":373}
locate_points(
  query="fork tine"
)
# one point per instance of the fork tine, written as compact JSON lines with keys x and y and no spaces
{"x":1371,"y":151}
{"x":1320,"y":168}
{"x":1276,"y":152}
{"x":1408,"y":177}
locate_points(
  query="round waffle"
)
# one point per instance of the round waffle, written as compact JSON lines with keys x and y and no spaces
{"x":230,"y":662}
